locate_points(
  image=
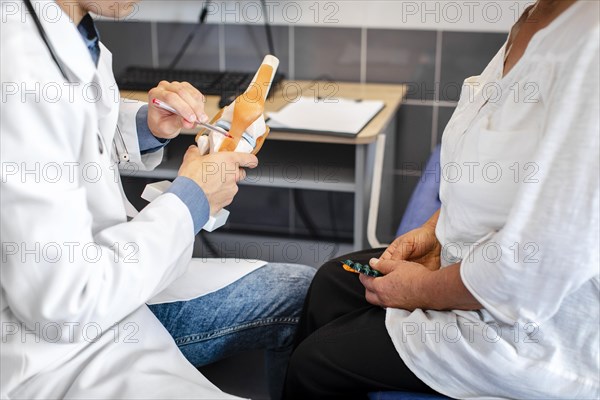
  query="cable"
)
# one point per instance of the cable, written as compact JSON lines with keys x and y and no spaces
{"x":268,"y":28}
{"x":202,"y":20}
{"x":190,"y":37}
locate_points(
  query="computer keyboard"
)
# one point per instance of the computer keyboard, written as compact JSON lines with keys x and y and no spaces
{"x":224,"y":84}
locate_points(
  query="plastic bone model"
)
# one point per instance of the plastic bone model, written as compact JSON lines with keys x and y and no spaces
{"x":244,"y":118}
{"x":246,"y":131}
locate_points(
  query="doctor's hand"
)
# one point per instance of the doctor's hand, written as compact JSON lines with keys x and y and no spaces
{"x":185,"y":99}
{"x":217,"y":174}
{"x":400,"y":287}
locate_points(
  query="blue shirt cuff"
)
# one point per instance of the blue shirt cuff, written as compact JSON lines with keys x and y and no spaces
{"x":148,"y":142}
{"x":194,"y":198}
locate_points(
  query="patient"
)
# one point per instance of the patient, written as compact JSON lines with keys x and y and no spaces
{"x":497,"y":295}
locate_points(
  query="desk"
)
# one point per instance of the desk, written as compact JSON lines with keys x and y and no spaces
{"x":352,"y":176}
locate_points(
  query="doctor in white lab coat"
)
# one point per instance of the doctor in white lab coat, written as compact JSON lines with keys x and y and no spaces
{"x":76,"y":274}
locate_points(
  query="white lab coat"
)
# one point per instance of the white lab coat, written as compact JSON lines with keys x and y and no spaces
{"x":75,"y":274}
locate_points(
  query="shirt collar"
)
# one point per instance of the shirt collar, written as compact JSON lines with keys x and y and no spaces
{"x":91,"y":36}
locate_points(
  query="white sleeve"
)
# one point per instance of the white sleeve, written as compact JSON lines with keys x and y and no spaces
{"x":59,"y":265}
{"x":126,"y":139}
{"x":554,"y":222}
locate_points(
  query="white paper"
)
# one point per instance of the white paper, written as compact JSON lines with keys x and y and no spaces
{"x":344,"y":116}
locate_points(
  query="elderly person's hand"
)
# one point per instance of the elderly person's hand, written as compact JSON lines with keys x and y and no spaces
{"x":409,"y":285}
{"x":400,"y":287}
{"x":419,"y":245}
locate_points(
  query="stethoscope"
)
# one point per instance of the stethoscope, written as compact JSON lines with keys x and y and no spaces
{"x":61,"y":68}
{"x":40,"y":29}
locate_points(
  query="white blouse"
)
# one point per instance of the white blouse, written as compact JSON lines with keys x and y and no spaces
{"x":520,"y":200}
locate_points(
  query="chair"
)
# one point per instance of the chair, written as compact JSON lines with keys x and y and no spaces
{"x":405,"y":396}
{"x":425,"y":199}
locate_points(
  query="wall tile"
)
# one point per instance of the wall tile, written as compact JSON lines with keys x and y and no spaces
{"x":392,"y":55}
{"x":324,"y":210}
{"x":332,"y":53}
{"x":274,"y":201}
{"x":403,"y":56}
{"x":403,"y":189}
{"x":202,"y":53}
{"x":246,"y":46}
{"x":444,"y":115}
{"x":413,"y":141}
{"x":465,"y":54}
{"x":129,"y":42}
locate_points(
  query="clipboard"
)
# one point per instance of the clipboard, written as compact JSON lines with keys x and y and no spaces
{"x":340,"y":117}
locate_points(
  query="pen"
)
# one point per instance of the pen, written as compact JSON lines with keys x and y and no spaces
{"x":165,"y":106}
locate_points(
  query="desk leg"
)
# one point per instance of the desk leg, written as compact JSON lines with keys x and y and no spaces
{"x":359,"y":197}
{"x":366,"y":156}
{"x":365,"y":159}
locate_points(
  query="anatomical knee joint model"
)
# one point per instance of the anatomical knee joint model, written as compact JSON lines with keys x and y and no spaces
{"x":240,"y":126}
{"x":244,"y":118}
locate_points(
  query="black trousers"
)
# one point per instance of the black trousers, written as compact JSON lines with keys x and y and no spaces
{"x":343,"y":350}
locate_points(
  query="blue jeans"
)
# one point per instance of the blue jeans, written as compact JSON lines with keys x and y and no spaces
{"x":259,"y":311}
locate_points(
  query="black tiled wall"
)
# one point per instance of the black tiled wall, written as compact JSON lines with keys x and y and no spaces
{"x":129,"y":42}
{"x":432,"y":63}
{"x":464,"y":55}
{"x":203,"y":51}
{"x":444,"y":115}
{"x":407,"y":56}
{"x":327,"y":53}
{"x":413,"y":143}
{"x":245,"y":46}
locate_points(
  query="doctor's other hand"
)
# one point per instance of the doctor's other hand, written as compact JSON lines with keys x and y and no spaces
{"x":185,"y":99}
{"x":217,"y":174}
{"x":419,"y":245}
